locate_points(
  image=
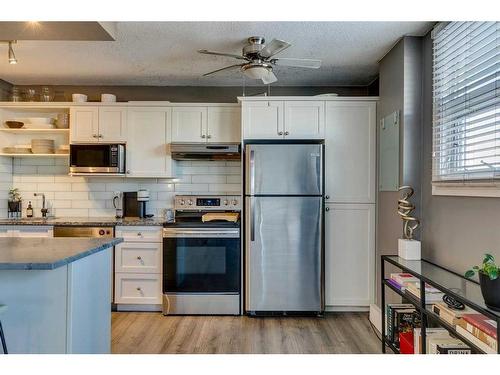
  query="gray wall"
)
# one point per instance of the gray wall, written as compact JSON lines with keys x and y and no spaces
{"x":207,"y":94}
{"x":456,"y":231}
{"x":400,"y":89}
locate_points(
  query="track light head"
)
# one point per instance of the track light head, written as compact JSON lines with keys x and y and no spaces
{"x":12,"y":56}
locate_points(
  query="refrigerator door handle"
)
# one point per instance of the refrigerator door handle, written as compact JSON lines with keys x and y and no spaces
{"x":252,"y":172}
{"x":252,"y":220}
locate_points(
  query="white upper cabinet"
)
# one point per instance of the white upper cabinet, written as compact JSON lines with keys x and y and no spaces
{"x":112,"y":124}
{"x":224,"y":124}
{"x":283,"y":119}
{"x":350,"y":152}
{"x":189,"y":124}
{"x":84,"y":124}
{"x":148,"y":142}
{"x":349,"y":254}
{"x":262,"y":119}
{"x":304,"y":120}
{"x":98,"y":124}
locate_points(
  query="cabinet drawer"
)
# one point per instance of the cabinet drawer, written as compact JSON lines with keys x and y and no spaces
{"x":138,"y":257}
{"x":139,"y":234}
{"x":137,"y":288}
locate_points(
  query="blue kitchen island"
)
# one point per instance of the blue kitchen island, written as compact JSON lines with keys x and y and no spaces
{"x":58,"y":294}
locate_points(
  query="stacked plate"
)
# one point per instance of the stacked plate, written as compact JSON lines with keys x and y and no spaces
{"x":42,"y":146}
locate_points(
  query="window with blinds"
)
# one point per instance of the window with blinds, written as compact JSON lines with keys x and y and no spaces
{"x":466,"y":103}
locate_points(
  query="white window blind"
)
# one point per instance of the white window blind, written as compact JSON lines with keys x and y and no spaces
{"x":466,"y":101}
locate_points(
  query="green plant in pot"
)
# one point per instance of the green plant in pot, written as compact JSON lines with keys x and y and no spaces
{"x":14,"y":200}
{"x":489,"y":280}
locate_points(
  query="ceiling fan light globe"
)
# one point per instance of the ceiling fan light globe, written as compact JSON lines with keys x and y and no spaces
{"x":256,"y":72}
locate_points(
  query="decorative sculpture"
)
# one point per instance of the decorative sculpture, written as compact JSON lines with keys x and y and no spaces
{"x":405,"y":207}
{"x":408,"y":248}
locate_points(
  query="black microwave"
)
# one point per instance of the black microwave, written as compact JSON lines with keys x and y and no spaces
{"x":97,"y":158}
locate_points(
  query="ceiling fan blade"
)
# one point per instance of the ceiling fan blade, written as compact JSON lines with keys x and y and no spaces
{"x":273,"y":47}
{"x":269,"y":78}
{"x":206,"y":52}
{"x":297,"y":63}
{"x":223,"y":69}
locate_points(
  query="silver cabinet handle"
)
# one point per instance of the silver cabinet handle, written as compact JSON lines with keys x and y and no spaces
{"x":138,"y":288}
{"x":209,"y":136}
{"x":99,"y":136}
{"x":203,"y":136}
{"x":327,"y":197}
{"x":286,"y":133}
{"x":94,"y":135}
{"x":327,"y":208}
{"x":128,"y":171}
{"x":280,"y":133}
{"x":139,"y":258}
{"x":139,"y":234}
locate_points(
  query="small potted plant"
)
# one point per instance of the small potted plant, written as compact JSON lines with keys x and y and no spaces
{"x":14,"y":202}
{"x":489,"y":281}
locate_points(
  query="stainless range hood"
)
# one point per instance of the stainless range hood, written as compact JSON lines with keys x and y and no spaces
{"x":205,"y":151}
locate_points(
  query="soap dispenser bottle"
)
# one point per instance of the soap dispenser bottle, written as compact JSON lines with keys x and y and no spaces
{"x":29,"y":210}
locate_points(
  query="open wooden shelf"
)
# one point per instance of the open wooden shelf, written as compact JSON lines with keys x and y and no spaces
{"x":34,"y":155}
{"x":27,"y":131}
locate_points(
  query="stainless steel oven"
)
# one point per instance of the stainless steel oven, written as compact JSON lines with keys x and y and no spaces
{"x":97,"y":158}
{"x":201,"y":270}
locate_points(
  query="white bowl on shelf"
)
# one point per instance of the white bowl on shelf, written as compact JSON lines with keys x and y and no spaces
{"x":79,"y":98}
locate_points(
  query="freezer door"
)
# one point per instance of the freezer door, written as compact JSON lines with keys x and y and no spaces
{"x":283,"y":254}
{"x":284,"y":169}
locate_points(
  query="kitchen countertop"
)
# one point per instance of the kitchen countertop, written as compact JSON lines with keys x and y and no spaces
{"x":48,"y":253}
{"x":85,"y":221}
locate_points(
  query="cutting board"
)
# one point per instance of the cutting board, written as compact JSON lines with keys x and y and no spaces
{"x":224,"y":216}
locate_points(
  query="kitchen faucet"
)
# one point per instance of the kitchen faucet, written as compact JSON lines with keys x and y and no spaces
{"x":44,"y":210}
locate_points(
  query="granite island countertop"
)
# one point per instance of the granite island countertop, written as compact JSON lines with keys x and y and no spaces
{"x":86,"y":221}
{"x":48,"y":253}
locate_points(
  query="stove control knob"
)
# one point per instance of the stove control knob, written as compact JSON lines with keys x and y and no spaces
{"x":226,"y":203}
{"x":101,"y":232}
{"x":190,"y":202}
{"x":234,"y":202}
{"x":182,"y":202}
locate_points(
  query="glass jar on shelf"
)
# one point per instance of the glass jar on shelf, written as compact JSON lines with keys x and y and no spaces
{"x":15,"y":95}
{"x":46,"y":94}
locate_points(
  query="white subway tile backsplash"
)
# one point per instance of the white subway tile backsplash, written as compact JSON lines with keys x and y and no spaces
{"x":92,"y":196}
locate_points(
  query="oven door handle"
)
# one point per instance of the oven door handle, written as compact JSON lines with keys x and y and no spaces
{"x":234,"y":233}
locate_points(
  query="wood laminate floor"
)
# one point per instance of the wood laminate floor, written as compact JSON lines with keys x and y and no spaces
{"x":154,"y":333}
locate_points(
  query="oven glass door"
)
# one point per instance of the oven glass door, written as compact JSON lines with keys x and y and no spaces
{"x":201,"y":265}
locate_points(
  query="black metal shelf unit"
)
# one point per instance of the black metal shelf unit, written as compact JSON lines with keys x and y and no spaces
{"x":464,"y":290}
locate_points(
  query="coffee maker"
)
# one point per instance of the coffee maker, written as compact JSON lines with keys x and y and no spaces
{"x":134,"y":203}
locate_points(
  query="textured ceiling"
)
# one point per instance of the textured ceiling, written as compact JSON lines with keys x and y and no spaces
{"x":164,"y":53}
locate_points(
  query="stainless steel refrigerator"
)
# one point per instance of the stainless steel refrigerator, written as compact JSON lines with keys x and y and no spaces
{"x":284,"y":240}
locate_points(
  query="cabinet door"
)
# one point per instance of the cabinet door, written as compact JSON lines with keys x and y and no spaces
{"x":350,"y":152}
{"x":349,"y":254}
{"x":148,"y":142}
{"x":138,"y":288}
{"x":189,"y":124}
{"x":112,"y":124}
{"x":262,"y":120}
{"x":84,"y":124}
{"x":224,"y":124}
{"x":304,"y":120}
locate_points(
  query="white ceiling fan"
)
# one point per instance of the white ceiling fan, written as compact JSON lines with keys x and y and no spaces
{"x":258,"y":59}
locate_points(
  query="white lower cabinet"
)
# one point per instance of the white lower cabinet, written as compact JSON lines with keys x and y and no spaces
{"x":349,"y":255}
{"x":138,"y":267}
{"x":137,"y":288}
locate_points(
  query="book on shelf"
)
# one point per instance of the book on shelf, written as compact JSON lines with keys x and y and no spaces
{"x":403,"y":278}
{"x":395,"y":284}
{"x":431,"y":294}
{"x":449,"y":315}
{"x":435,"y":342}
{"x":452,"y":349}
{"x":404,"y":323}
{"x":389,"y":317}
{"x":430,"y":332}
{"x":481,"y":327}
{"x":473,"y":339}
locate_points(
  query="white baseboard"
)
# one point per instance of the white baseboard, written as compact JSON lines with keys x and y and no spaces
{"x":131,"y":308}
{"x":376,"y":317}
{"x":346,"y":308}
